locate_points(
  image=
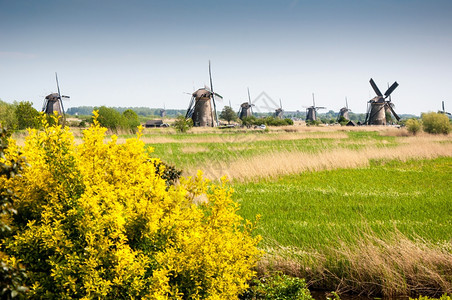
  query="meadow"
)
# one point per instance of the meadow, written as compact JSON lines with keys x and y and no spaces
{"x":361,"y":211}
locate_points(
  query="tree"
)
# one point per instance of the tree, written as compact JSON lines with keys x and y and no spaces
{"x":131,"y":120}
{"x":110,"y":118}
{"x":413,"y":126}
{"x":27,"y":116}
{"x":182,"y":124}
{"x":8,"y":117}
{"x":436,"y":123}
{"x":228,"y":114}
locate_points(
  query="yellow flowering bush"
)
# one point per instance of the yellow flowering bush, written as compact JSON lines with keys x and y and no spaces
{"x":97,"y":220}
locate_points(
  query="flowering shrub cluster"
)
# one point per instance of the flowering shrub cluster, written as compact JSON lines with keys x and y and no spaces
{"x":98,"y":221}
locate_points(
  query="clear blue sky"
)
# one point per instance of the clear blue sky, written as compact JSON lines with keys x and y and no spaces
{"x":148,"y":53}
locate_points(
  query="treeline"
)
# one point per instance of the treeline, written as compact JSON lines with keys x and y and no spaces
{"x":140,"y":111}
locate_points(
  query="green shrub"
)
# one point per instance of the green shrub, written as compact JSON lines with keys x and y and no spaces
{"x":27,"y":116}
{"x":413,"y":126}
{"x":278,"y":286}
{"x":182,"y":124}
{"x":436,"y":123}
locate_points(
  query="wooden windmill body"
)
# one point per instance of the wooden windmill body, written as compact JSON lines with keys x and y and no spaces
{"x":311,"y":111}
{"x":53,"y":103}
{"x":200,"y":109}
{"x":380,"y":106}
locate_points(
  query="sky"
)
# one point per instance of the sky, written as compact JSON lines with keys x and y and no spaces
{"x":152,"y":53}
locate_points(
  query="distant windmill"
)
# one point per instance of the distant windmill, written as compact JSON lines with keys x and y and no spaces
{"x":344,"y":111}
{"x":444,"y":111}
{"x":163,"y":112}
{"x":200,"y":107}
{"x":246,"y":108}
{"x":53,"y":102}
{"x":378,"y":106}
{"x":311,"y":111}
{"x":279,"y":112}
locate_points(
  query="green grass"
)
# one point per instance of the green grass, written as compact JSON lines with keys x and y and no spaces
{"x":315,"y":210}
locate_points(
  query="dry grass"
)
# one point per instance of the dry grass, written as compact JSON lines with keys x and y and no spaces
{"x":390,"y":267}
{"x":285,"y":162}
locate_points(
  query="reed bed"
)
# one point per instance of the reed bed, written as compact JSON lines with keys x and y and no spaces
{"x":289,"y":162}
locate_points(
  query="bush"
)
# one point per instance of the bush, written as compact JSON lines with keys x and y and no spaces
{"x":131,"y":121}
{"x":109,"y":118}
{"x":278,"y":286}
{"x":413,"y":126}
{"x":27,"y":116}
{"x":8,"y":117}
{"x":182,"y":124}
{"x":436,"y":123}
{"x":95,"y":220}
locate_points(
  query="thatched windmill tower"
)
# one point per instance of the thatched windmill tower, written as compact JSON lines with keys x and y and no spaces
{"x":246,"y":108}
{"x":344,"y":111}
{"x":53,"y":102}
{"x":200,"y":109}
{"x":378,"y":106}
{"x":279,"y":112}
{"x":311,"y":111}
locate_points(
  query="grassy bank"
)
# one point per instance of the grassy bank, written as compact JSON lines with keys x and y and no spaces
{"x":384,"y":229}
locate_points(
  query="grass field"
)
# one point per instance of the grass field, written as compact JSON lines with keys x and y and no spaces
{"x":355,"y":211}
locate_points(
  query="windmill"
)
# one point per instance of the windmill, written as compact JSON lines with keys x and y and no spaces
{"x":246,"y":109}
{"x":344,"y":111}
{"x":378,"y":106}
{"x":444,"y":111}
{"x":53,"y":102}
{"x":279,"y":112}
{"x":163,"y":112}
{"x":311,"y":111}
{"x":200,"y":107}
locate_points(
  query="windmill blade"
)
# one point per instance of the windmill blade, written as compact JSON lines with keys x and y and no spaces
{"x":391,"y":89}
{"x":213,"y":95}
{"x":190,"y":108}
{"x":313,"y":101}
{"x":249,"y":100}
{"x":374,"y":86}
{"x":64,"y":96}
{"x":44,"y":106}
{"x":320,"y":107}
{"x":219,"y":96}
{"x":393,"y":112}
{"x":280,"y":104}
{"x":443,"y":106}
{"x":346,"y":103}
{"x":59,"y":98}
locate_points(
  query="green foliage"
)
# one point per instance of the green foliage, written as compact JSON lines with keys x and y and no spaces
{"x":277,"y":286}
{"x":268,"y":121}
{"x":27,"y":116}
{"x":342,"y":120}
{"x":131,"y":120}
{"x":413,"y":126}
{"x":110,"y":118}
{"x":313,"y":123}
{"x":182,"y":124}
{"x":167,"y":172}
{"x":436,"y":123}
{"x":228,"y":114}
{"x":8,"y":117}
